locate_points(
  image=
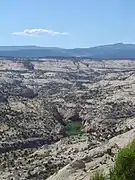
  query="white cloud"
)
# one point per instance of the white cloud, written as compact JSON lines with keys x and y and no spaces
{"x":38,"y":32}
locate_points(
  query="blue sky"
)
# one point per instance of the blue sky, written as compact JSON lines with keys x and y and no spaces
{"x":66,"y":23}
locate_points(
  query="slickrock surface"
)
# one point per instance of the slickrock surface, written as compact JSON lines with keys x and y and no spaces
{"x":37,"y":99}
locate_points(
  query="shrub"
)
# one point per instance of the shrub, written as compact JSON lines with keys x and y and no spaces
{"x":124,"y":167}
{"x":99,"y":175}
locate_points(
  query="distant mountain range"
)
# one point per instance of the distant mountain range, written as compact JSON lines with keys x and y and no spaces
{"x":113,"y":51}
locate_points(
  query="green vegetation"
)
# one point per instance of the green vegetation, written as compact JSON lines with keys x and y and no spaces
{"x":73,"y":128}
{"x":98,"y":176}
{"x":124,"y":167}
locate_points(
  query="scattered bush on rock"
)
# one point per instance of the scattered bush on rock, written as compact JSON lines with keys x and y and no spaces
{"x":124,"y":167}
{"x":98,"y":176}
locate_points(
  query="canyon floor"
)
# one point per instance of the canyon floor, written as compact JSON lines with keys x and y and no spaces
{"x":64,"y":119}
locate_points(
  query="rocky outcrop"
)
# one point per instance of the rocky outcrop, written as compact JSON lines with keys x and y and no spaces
{"x":73,"y":115}
{"x":28,"y":65}
{"x":28,"y":93}
{"x":28,"y":143}
{"x":99,"y":158}
{"x":22,"y":126}
{"x":36,"y":105}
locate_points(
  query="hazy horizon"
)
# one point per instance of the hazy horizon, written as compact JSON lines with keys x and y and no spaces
{"x":34,"y":45}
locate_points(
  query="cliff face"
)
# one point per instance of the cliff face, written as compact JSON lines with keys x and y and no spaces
{"x":95,"y":99}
